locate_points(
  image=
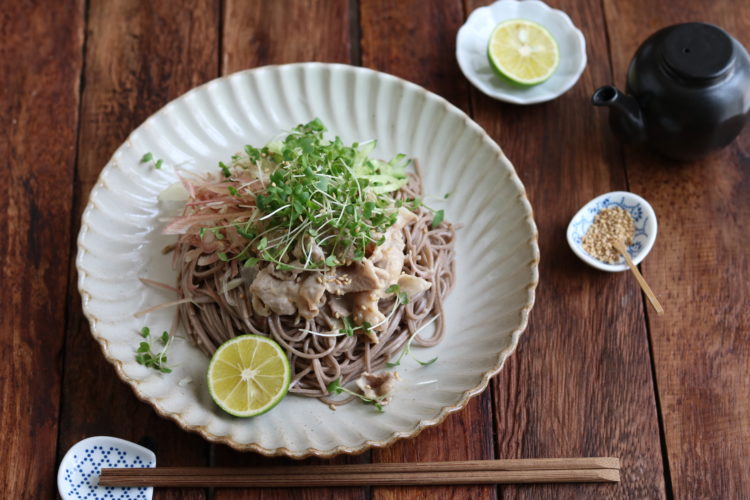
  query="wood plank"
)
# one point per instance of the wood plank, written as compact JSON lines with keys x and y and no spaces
{"x":284,"y":31}
{"x":700,"y":267}
{"x":415,"y":40}
{"x":40,"y":64}
{"x":139,"y":56}
{"x":257,"y":34}
{"x":580,"y":383}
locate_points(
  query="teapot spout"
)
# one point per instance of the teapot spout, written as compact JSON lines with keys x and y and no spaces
{"x":625,"y":116}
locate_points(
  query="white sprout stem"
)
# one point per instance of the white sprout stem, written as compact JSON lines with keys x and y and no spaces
{"x":322,"y":334}
{"x":416,"y":332}
{"x":260,"y":175}
{"x":274,"y":212}
{"x":320,"y":243}
{"x":390,"y":315}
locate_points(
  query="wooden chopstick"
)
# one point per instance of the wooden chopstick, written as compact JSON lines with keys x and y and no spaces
{"x":564,"y":470}
{"x":620,"y":246}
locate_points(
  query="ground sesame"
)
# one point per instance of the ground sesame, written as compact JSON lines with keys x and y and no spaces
{"x":610,"y":225}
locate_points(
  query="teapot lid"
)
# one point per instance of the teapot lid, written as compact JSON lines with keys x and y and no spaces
{"x":698,"y":51}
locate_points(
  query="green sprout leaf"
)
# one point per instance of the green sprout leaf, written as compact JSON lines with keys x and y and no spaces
{"x":348,"y":330}
{"x":426,"y":363}
{"x":438,"y":218}
{"x":144,"y":355}
{"x":335,"y":387}
{"x":225,"y":169}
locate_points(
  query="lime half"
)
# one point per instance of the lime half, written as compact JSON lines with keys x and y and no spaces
{"x":248,"y":375}
{"x":523,"y":51}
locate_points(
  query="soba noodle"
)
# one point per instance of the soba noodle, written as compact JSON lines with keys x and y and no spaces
{"x":219,"y":308}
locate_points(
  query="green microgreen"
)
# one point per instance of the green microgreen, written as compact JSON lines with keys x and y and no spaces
{"x":407,"y":349}
{"x":145,"y":355}
{"x":335,"y":387}
{"x":437,"y":218}
{"x":149,"y":158}
{"x":347,"y":329}
{"x":403,"y":297}
{"x":225,"y":169}
{"x":318,"y":193}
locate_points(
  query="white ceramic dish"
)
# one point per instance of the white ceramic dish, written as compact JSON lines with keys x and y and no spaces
{"x":78,"y":474}
{"x":121,"y":241}
{"x":474,"y":35}
{"x":645,"y":227}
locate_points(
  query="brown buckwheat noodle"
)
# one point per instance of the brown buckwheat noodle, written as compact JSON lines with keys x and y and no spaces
{"x":218,"y":311}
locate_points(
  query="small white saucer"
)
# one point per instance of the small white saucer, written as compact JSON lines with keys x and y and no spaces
{"x":474,"y":35}
{"x":78,"y":475}
{"x":645,"y":227}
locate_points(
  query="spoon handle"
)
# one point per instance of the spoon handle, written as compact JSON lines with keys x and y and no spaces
{"x":641,"y":280}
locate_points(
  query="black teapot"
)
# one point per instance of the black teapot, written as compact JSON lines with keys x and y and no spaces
{"x":688,"y":92}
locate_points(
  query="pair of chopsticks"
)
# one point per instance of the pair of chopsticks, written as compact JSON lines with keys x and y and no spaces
{"x":541,"y":470}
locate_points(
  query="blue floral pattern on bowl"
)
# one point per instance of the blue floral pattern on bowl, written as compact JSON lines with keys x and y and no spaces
{"x":79,"y":471}
{"x":645,"y":227}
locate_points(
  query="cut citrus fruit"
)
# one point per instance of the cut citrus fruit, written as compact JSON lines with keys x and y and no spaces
{"x":523,"y":52}
{"x":248,"y":375}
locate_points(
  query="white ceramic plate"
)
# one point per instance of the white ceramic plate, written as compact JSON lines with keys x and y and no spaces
{"x":121,"y":241}
{"x":474,"y":35}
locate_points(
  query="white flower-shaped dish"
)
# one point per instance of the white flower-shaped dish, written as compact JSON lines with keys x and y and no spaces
{"x":78,"y":475}
{"x":121,"y":241}
{"x":645,"y":227}
{"x":474,"y":35}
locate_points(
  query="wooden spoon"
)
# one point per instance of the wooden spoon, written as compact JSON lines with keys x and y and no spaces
{"x":620,"y":247}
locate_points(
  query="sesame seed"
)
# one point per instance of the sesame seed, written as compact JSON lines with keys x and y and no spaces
{"x":610,"y":225}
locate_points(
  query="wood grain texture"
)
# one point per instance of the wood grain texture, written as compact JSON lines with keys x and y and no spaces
{"x":40,"y":64}
{"x":580,"y":383}
{"x":257,"y":34}
{"x":139,"y":56}
{"x":284,"y":31}
{"x":700,"y":267}
{"x":415,"y":40}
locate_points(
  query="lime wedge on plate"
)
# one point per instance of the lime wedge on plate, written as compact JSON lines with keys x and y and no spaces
{"x":523,"y":51}
{"x":248,"y":375}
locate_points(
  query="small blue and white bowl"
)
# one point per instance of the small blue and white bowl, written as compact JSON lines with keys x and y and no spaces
{"x":78,"y":475}
{"x":645,"y":228}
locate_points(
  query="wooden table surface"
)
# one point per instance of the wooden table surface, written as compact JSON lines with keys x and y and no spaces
{"x":595,"y":374}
